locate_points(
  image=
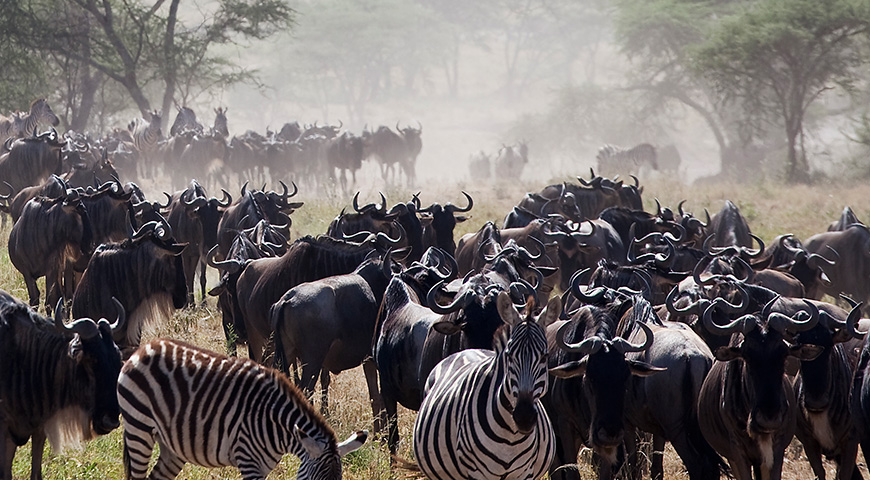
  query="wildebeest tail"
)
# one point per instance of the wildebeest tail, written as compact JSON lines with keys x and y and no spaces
{"x":276,"y":314}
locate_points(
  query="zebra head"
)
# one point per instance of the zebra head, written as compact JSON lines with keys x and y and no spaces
{"x":322,"y":457}
{"x":525,"y":355}
{"x":43,"y":112}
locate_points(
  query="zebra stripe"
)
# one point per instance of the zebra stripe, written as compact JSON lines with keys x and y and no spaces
{"x":482,"y":416}
{"x":146,"y":135}
{"x":212,"y":410}
{"x":613,"y":159}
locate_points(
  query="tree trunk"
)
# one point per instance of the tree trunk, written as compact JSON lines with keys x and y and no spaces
{"x":170,"y":74}
{"x":90,"y":84}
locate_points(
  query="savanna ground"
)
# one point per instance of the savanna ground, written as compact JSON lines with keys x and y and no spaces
{"x":771,"y":209}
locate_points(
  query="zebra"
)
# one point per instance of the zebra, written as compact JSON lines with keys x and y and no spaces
{"x":482,"y":416}
{"x":146,"y":138}
{"x":216,"y":411}
{"x":21,"y":124}
{"x":614,"y":160}
{"x":220,"y":123}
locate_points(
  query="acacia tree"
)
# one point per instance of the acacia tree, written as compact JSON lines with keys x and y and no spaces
{"x":776,"y":57}
{"x":142,"y":44}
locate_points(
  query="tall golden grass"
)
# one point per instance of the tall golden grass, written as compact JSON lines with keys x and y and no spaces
{"x":771,"y":209}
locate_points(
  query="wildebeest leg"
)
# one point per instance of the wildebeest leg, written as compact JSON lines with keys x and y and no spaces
{"x":658,"y":451}
{"x":814,"y":456}
{"x":371,"y":372}
{"x":324,"y":392}
{"x":202,"y":282}
{"x":189,"y":263}
{"x":846,"y":466}
{"x":168,"y":464}
{"x":32,"y":290}
{"x":568,"y":444}
{"x":391,"y":407}
{"x":7,"y":452}
{"x":37,"y":441}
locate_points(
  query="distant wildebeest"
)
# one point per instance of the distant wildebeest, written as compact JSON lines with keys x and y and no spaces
{"x":240,"y":415}
{"x":144,"y":273}
{"x":31,"y":160}
{"x":56,"y":381}
{"x":511,"y":160}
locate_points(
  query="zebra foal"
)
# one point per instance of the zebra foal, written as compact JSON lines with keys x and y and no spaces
{"x":482,"y":417}
{"x":216,"y":411}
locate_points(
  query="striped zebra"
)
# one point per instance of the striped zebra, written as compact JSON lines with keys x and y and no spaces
{"x":613,"y":160}
{"x":216,"y":411}
{"x":482,"y":417}
{"x":23,"y":124}
{"x":146,"y":138}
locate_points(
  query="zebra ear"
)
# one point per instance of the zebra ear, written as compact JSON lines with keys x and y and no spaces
{"x":551,"y":312}
{"x":506,"y":309}
{"x":312,"y":447}
{"x":353,"y":442}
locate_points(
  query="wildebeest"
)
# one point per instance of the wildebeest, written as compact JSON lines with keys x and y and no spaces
{"x":729,"y":227}
{"x":846,"y":219}
{"x":56,"y":381}
{"x":327,"y":325}
{"x":747,"y":408}
{"x":388,"y":148}
{"x":479,"y":168}
{"x":53,"y":187}
{"x":144,"y":273}
{"x":194,"y":219}
{"x":251,"y":207}
{"x":849,"y":273}
{"x":50,"y":237}
{"x":438,"y":231}
{"x":31,"y":160}
{"x":345,"y":153}
{"x":265,"y":280}
{"x":511,"y":160}
{"x":413,"y":145}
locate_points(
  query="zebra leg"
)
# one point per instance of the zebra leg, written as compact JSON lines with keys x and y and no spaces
{"x":168,"y":465}
{"x":138,"y":446}
{"x":37,"y":441}
{"x":248,"y":466}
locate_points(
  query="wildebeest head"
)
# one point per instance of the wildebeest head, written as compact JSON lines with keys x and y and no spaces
{"x":93,"y":349}
{"x":590,"y":348}
{"x":444,"y":220}
{"x":759,"y":343}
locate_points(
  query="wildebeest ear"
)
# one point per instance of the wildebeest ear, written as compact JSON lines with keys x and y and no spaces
{"x":426,"y":221}
{"x":76,"y":349}
{"x":806,"y":352}
{"x":446,"y":327}
{"x":570,"y":369}
{"x":547,"y":271}
{"x":218,"y":290}
{"x":726,"y":354}
{"x":460,"y":218}
{"x":641,"y":369}
{"x":174,"y":249}
{"x":506,"y":309}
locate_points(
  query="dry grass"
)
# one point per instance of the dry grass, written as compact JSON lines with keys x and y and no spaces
{"x":770,"y":209}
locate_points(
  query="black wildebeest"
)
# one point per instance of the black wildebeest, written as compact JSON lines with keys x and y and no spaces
{"x":144,"y":273}
{"x":194,"y":219}
{"x":251,"y":207}
{"x":327,"y":325}
{"x":440,"y":222}
{"x":31,"y":160}
{"x":747,"y":407}
{"x":822,"y":389}
{"x":265,"y":280}
{"x":56,"y":381}
{"x":729,"y":227}
{"x":50,"y":237}
{"x":53,"y":187}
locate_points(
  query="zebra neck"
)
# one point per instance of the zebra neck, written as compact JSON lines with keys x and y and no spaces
{"x":498,"y":393}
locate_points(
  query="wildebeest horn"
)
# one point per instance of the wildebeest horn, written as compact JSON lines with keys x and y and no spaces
{"x":85,"y":327}
{"x":229,"y":265}
{"x":734,"y":326}
{"x":594,"y":296}
{"x":588,"y":346}
{"x":415,"y":199}
{"x":121,"y":317}
{"x":284,"y":195}
{"x":658,"y":208}
{"x":244,"y":189}
{"x":459,"y":302}
{"x":355,"y":202}
{"x":760,"y":250}
{"x":386,"y":240}
{"x":454,"y":208}
{"x":784,"y":323}
{"x":195,"y":202}
{"x":624,"y":346}
{"x":227,"y":199}
{"x":853,"y":318}
{"x":144,"y":230}
{"x":680,"y":208}
{"x":636,"y":181}
{"x":693,"y":308}
{"x":11,"y":191}
{"x":397,"y":126}
{"x":168,"y":201}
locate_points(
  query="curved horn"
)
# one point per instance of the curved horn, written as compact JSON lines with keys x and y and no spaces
{"x":594,"y":296}
{"x":680,"y":208}
{"x":459,"y":302}
{"x":227,"y":199}
{"x":455,"y":209}
{"x":760,"y":250}
{"x":636,"y":182}
{"x":588,"y":346}
{"x":244,"y":189}
{"x":624,"y":346}
{"x":355,"y":202}
{"x":229,"y":265}
{"x":11,"y":191}
{"x":716,"y":329}
{"x":784,"y":323}
{"x":853,"y":318}
{"x":121,"y":318}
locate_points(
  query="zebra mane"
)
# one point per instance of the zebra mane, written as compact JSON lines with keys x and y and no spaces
{"x":299,"y":400}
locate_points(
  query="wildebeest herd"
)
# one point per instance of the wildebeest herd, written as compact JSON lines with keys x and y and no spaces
{"x":582,"y":321}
